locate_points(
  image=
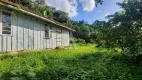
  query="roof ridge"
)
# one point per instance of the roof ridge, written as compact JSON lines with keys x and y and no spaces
{"x":33,"y":12}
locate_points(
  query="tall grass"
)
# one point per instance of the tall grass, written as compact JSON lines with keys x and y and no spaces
{"x":84,"y":63}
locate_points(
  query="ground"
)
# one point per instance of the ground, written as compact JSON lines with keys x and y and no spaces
{"x":86,"y":62}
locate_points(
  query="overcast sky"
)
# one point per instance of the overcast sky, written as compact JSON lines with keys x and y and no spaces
{"x":86,"y":9}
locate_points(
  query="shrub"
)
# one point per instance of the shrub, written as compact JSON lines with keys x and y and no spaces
{"x":19,"y":75}
{"x":80,"y":41}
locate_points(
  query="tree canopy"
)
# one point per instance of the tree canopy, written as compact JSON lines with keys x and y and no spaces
{"x":126,"y":27}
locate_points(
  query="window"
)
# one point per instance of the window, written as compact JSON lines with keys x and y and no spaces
{"x":48,"y":32}
{"x":6,"y":23}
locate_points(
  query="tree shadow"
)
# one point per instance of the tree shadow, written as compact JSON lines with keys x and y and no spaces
{"x":98,"y":66}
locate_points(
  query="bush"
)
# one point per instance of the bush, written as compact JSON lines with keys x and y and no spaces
{"x":101,"y":43}
{"x":59,"y":72}
{"x":80,"y":41}
{"x":19,"y":75}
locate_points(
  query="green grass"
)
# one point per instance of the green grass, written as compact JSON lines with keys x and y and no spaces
{"x":84,"y":63}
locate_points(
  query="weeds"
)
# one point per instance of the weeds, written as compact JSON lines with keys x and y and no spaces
{"x":84,"y":63}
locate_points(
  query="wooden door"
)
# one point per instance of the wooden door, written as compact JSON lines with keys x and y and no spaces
{"x":58,"y":37}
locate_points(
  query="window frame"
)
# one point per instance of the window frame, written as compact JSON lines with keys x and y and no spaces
{"x":49,"y":32}
{"x":1,"y":30}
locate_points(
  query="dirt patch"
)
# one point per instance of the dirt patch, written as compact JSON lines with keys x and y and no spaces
{"x":13,"y":53}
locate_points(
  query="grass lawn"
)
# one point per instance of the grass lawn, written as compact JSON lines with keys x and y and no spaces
{"x":84,"y":63}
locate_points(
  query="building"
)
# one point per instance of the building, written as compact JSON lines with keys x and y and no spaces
{"x":21,"y":29}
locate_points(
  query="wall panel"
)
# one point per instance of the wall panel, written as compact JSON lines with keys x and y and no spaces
{"x":26,"y":33}
{"x":9,"y":43}
{"x":35,"y":34}
{"x":65,"y":38}
{"x":39,"y":35}
{"x":42,"y":35}
{"x":31,"y":35}
{"x":53,"y":37}
{"x":20,"y":32}
{"x":0,"y":21}
{"x":58,"y":36}
{"x":54,"y":33}
{"x":4,"y":41}
{"x":14,"y":32}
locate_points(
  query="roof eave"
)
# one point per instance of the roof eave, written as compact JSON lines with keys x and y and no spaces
{"x":37,"y":16}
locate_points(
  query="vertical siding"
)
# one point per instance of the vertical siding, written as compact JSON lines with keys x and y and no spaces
{"x":20,"y":32}
{"x":48,"y":41}
{"x":9,"y":43}
{"x":14,"y":32}
{"x":26,"y":33}
{"x":42,"y":35}
{"x":39,"y":35}
{"x":45,"y":40}
{"x":51,"y":41}
{"x":53,"y":37}
{"x":0,"y":30}
{"x":4,"y":40}
{"x":35,"y":34}
{"x":58,"y":36}
{"x":31,"y":41}
{"x":65,"y":38}
{"x":29,"y":33}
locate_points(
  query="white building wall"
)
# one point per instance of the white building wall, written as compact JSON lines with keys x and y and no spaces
{"x":28,"y":33}
{"x":65,"y":38}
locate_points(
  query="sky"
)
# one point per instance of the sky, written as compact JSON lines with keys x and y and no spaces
{"x":86,"y":9}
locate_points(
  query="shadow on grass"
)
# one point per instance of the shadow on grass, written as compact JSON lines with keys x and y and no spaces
{"x":97,"y":66}
{"x":3,"y":57}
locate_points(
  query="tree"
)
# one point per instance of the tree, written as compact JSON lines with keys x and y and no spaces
{"x":98,"y":24}
{"x":98,"y":1}
{"x":126,"y":30}
{"x":99,"y":33}
{"x":26,"y":3}
{"x":61,"y":16}
{"x":83,"y":29}
{"x":40,"y":2}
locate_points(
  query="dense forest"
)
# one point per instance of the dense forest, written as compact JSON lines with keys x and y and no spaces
{"x":123,"y":30}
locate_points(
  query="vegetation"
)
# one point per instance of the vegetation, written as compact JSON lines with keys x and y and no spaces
{"x":103,"y":62}
{"x":127,"y":30}
{"x":83,"y":29}
{"x":84,"y":63}
{"x":123,"y":30}
{"x":114,"y":33}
